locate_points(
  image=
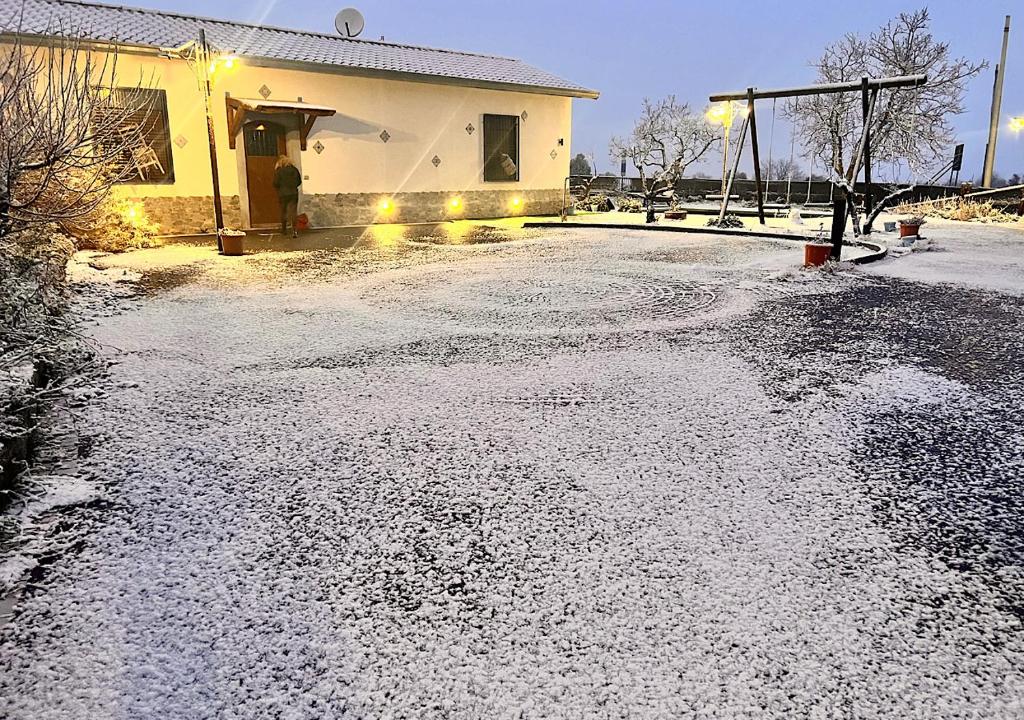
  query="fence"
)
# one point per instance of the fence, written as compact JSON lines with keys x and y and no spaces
{"x":800,"y":191}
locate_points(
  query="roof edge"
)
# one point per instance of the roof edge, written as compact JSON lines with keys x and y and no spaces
{"x":348,"y":70}
{"x":278,"y":28}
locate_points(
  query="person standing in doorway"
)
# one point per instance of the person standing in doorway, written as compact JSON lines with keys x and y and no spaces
{"x":286,"y":181}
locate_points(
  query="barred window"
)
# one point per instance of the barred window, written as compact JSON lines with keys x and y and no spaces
{"x":145,"y":135}
{"x":501,"y":139}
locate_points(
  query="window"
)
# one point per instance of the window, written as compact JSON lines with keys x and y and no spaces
{"x":143,"y":114}
{"x":501,"y":138}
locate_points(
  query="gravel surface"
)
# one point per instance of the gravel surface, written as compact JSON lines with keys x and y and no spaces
{"x":577,"y":475}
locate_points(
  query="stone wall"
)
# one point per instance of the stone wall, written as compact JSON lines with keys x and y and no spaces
{"x":364,"y":208}
{"x":188,"y":215}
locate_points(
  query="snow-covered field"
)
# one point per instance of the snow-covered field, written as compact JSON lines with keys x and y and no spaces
{"x":583,"y":474}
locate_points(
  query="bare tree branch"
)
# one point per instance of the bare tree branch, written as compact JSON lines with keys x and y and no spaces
{"x":67,"y":130}
{"x":666,"y":139}
{"x":911,"y":127}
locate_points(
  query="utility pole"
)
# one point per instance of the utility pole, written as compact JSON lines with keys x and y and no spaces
{"x":204,"y":68}
{"x":997,"y":102}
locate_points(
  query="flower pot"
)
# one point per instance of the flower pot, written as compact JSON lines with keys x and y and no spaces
{"x":909,"y":229}
{"x":816,"y":254}
{"x":890,"y":227}
{"x":231,"y":242}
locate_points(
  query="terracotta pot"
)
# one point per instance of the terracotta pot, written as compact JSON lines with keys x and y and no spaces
{"x":232,"y":244}
{"x":816,"y":255}
{"x":908,"y":229}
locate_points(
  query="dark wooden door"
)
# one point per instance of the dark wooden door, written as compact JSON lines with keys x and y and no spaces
{"x":264,"y":143}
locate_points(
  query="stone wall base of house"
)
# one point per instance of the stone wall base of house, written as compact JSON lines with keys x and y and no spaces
{"x":188,"y":215}
{"x":365,"y":208}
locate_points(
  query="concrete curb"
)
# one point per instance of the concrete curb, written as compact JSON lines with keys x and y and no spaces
{"x":879,"y":251}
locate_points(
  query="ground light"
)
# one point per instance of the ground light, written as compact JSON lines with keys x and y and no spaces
{"x":516,"y":203}
{"x":134,"y":214}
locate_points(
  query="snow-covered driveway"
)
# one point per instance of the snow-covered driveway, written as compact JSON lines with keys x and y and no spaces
{"x":574,"y":476}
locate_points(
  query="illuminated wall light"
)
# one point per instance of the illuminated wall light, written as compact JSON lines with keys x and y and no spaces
{"x":516,"y":203}
{"x":455,"y":204}
{"x":229,"y":61}
{"x":386,"y":205}
{"x":1017,"y":123}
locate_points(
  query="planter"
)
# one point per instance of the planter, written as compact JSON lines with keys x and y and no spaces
{"x":907,"y":229}
{"x":231,"y":242}
{"x":816,"y":254}
{"x":675,"y":214}
{"x":890,"y":227}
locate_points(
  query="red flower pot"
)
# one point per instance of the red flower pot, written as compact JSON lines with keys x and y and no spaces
{"x":232,"y":243}
{"x":908,"y":229}
{"x":816,"y":255}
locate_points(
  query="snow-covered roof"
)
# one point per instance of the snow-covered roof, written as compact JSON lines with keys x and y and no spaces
{"x":159,"y":29}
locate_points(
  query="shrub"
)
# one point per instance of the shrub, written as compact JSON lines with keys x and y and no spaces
{"x":116,"y":225}
{"x":630,"y":205}
{"x":962,"y":209}
{"x":729,"y":221}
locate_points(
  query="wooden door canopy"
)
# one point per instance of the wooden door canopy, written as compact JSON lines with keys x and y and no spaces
{"x":238,"y":108}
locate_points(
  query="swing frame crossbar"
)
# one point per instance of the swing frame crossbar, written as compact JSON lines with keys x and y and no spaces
{"x":899,"y":81}
{"x":868,"y":87}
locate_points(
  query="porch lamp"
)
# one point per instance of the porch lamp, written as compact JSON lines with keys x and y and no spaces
{"x":723,"y":114}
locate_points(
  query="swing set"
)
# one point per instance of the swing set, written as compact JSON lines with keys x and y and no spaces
{"x":869,"y":89}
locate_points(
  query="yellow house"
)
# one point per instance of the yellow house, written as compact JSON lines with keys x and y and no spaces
{"x":381,"y":132}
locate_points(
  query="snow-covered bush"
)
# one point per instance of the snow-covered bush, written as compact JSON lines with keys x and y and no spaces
{"x":35,"y":346}
{"x":116,"y":225}
{"x":729,"y":221}
{"x":630,"y":205}
{"x":962,"y":209}
{"x":594,"y":203}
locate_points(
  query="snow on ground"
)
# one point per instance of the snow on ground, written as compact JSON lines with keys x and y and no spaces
{"x":975,"y":254}
{"x":581,"y":474}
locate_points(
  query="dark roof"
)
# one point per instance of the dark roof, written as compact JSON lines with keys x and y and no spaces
{"x":159,"y":29}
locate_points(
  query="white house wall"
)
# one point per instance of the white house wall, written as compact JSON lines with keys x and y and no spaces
{"x":343,"y":183}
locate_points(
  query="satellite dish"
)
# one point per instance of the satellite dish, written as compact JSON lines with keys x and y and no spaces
{"x":349,"y":22}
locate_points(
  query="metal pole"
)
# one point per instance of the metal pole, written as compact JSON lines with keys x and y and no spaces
{"x":789,"y":177}
{"x":732,"y":175}
{"x":204,"y":62}
{"x":997,"y":102}
{"x":757,"y":160}
{"x":865,"y":103}
{"x":771,"y":147}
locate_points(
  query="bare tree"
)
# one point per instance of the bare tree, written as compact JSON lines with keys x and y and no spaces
{"x":783,"y":168}
{"x":68,"y":132}
{"x":666,"y":139}
{"x":910,"y":125}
